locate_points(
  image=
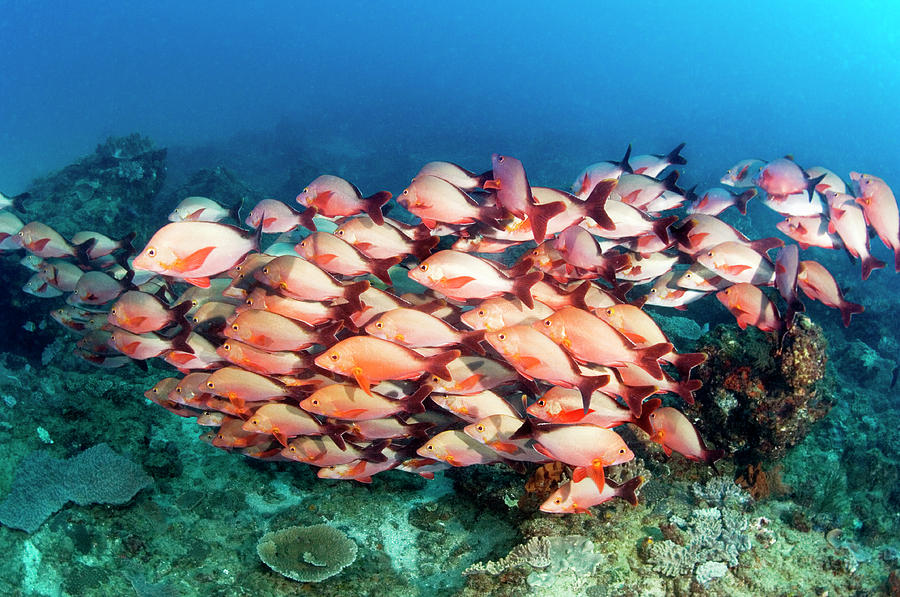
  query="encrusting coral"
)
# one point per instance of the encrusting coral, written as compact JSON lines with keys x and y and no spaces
{"x":307,"y":554}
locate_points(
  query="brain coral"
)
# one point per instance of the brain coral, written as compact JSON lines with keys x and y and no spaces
{"x":307,"y":554}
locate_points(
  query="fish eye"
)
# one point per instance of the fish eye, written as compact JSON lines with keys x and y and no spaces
{"x":151,"y":252}
{"x":339,"y":232}
{"x":226,"y":346}
{"x":653,"y":415}
{"x":406,"y":191}
{"x":500,"y":159}
{"x":424,"y":267}
{"x":710,"y":254}
{"x":548,"y":323}
{"x":220,"y":436}
{"x":379,"y":325}
{"x":210,"y":385}
{"x":303,"y":244}
{"x":334,"y":356}
{"x":557,"y":501}
{"x":113,"y":311}
{"x":178,"y":390}
{"x":196,"y":319}
{"x":501,"y":336}
{"x":481,"y":312}
{"x":292,"y":449}
{"x":653,"y":291}
{"x":429,"y":447}
{"x":621,"y":450}
{"x":435,"y":379}
{"x":235,"y":327}
{"x":315,"y":403}
{"x":306,"y":190}
{"x":254,"y":422}
{"x":480,"y":428}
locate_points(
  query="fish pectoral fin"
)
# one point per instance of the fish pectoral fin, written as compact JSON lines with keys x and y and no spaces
{"x":349,"y":413}
{"x":544,"y":451}
{"x":469,"y":382}
{"x":280,"y":436}
{"x":635,"y":338}
{"x":529,"y":362}
{"x":457,"y":282}
{"x":504,"y":447}
{"x":493,"y":183}
{"x":194,"y":215}
{"x":192,"y":261}
{"x":38,"y":245}
{"x":362,"y":380}
{"x":578,"y":474}
{"x":595,"y":472}
{"x":324,"y":258}
{"x":363,"y":246}
{"x":199,"y":282}
{"x":736,"y":269}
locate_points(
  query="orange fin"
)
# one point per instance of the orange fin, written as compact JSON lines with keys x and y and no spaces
{"x":194,"y":260}
{"x":505,"y":447}
{"x":736,"y":269}
{"x":324,"y":259}
{"x":529,"y":362}
{"x":491,"y":184}
{"x":349,"y":414}
{"x":281,"y":437}
{"x":362,"y":380}
{"x":199,"y":282}
{"x":469,"y":382}
{"x":595,"y":472}
{"x":457,"y":282}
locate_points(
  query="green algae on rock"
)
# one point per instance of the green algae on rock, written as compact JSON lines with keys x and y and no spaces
{"x":307,"y":554}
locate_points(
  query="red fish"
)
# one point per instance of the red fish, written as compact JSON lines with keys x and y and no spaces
{"x":751,"y":307}
{"x":337,"y":256}
{"x":333,"y":197}
{"x":461,"y":276}
{"x":368,"y":360}
{"x":275,"y":217}
{"x":416,"y":329}
{"x":536,"y":356}
{"x":818,"y":284}
{"x":880,"y":207}
{"x":575,"y":497}
{"x":195,"y":251}
{"x":515,"y":196}
{"x":435,"y":200}
{"x":139,"y":313}
{"x":300,"y":279}
{"x":387,"y":241}
{"x":675,"y":432}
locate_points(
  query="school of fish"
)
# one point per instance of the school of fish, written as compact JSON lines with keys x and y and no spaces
{"x":307,"y":351}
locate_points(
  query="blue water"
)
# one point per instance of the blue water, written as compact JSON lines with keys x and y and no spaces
{"x":371,"y":91}
{"x":576,"y":82}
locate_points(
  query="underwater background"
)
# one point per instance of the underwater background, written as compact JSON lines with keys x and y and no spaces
{"x":255,"y":101}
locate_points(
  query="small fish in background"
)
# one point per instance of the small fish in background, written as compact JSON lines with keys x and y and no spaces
{"x":455,"y":175}
{"x":275,"y":217}
{"x":881,"y":211}
{"x":515,"y":196}
{"x":14,"y":201}
{"x":91,"y":245}
{"x":332,"y":197}
{"x":43,"y":241}
{"x":203,"y":209}
{"x":716,"y":200}
{"x":742,"y":174}
{"x":591,"y":176}
{"x":653,"y":165}
{"x":782,"y":178}
{"x":848,"y":221}
{"x":195,"y":251}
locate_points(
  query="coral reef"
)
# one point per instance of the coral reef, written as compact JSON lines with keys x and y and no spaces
{"x":110,"y":190}
{"x":44,"y":484}
{"x":758,"y":401}
{"x":307,"y":554}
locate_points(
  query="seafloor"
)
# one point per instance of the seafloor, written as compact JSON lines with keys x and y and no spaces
{"x":823,"y":517}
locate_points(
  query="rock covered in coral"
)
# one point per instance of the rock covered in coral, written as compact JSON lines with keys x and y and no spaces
{"x":108,"y":190}
{"x":307,"y":554}
{"x":757,"y":402}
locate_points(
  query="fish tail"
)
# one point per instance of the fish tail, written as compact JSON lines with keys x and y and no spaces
{"x":380,"y":268}
{"x":627,"y":490}
{"x":681,"y":232}
{"x":179,"y":313}
{"x":588,"y":385}
{"x":539,"y":215}
{"x":740,"y":201}
{"x":234,"y":212}
{"x":675,"y":158}
{"x":472,"y":340}
{"x":623,"y":163}
{"x":373,"y":453}
{"x":648,"y":358}
{"x":685,"y":389}
{"x":643,"y":421}
{"x":661,"y":226}
{"x":634,"y":397}
{"x":522,"y":287}
{"x":437,"y":364}
{"x":870,"y":263}
{"x":422,"y":247}
{"x":412,"y":404}
{"x":595,"y":204}
{"x":685,"y":362}
{"x":336,"y":432}
{"x":764,"y":245}
{"x":373,"y":205}
{"x":82,"y":251}
{"x":577,"y":297}
{"x":325,"y":335}
{"x":352,"y":292}
{"x":670,"y":182}
{"x":897,"y":258}
{"x":484,"y":177}
{"x":525,"y":431}
{"x":18,"y":202}
{"x":306,"y":218}
{"x":848,"y":310}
